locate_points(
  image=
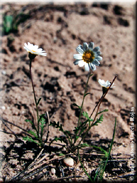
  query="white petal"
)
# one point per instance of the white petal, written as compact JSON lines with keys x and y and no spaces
{"x":85,"y":46}
{"x":99,"y":58}
{"x":107,"y":83}
{"x":96,"y":49}
{"x":79,"y":49}
{"x":34,"y":49}
{"x":81,"y":63}
{"x":86,"y":67}
{"x":96,"y":62}
{"x":77,"y":56}
{"x":91,"y":45}
{"x":101,"y":82}
{"x":93,"y":67}
{"x":98,"y":53}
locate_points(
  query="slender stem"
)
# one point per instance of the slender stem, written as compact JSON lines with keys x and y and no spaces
{"x":89,"y":75}
{"x":35,"y":99}
{"x":84,"y":97}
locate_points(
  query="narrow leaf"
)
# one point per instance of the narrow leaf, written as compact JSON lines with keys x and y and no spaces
{"x":30,"y":139}
{"x":38,"y":101}
{"x":105,"y":110}
{"x":74,"y":104}
{"x":86,"y":94}
{"x":99,"y":120}
{"x":32,"y":124}
{"x":28,"y":120}
{"x":85,"y":145}
{"x":32,"y":133}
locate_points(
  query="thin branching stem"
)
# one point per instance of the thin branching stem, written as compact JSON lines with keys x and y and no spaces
{"x":89,"y":75}
{"x":81,"y":108}
{"x":35,"y":100}
{"x":103,"y":96}
{"x":98,"y":106}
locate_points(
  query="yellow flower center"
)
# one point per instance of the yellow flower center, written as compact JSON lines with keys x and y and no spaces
{"x":33,"y":50}
{"x":88,"y":56}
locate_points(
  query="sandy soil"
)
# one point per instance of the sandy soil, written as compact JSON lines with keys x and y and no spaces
{"x":59,"y":29}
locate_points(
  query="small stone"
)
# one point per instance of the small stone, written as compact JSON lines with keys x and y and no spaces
{"x":68,"y":161}
{"x":2,"y":107}
{"x":55,"y":39}
{"x":53,"y":170}
{"x":4,"y":72}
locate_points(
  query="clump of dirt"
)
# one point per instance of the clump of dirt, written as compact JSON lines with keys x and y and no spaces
{"x":59,"y":29}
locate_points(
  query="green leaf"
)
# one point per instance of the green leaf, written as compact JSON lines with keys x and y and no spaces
{"x":76,"y":130}
{"x":38,"y":101}
{"x":42,"y":124}
{"x":67,"y":132}
{"x":85,"y":114}
{"x":30,"y":139}
{"x":61,"y":139}
{"x":101,"y":149}
{"x":86,"y":94}
{"x":84,"y":145}
{"x":58,"y":138}
{"x":32,"y":133}
{"x":74,"y":104}
{"x":105,"y":110}
{"x":57,"y":125}
{"x":77,"y":137}
{"x":32,"y":124}
{"x":82,"y":130}
{"x":61,"y":154}
{"x":8,"y":20}
{"x":99,"y":120}
{"x":21,"y":17}
{"x":28,"y":120}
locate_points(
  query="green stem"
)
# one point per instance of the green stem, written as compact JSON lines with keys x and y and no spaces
{"x":83,"y":98}
{"x":89,"y":75}
{"x":35,"y":99}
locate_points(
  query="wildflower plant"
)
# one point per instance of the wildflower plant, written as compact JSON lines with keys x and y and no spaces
{"x":89,"y":57}
{"x":11,"y":22}
{"x":38,"y":129}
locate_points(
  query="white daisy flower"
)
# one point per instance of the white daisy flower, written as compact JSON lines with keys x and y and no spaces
{"x":105,"y":85}
{"x":34,"y":50}
{"x":87,"y":56}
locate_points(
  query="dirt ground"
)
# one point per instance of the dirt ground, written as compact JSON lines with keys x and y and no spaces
{"x":59,"y":29}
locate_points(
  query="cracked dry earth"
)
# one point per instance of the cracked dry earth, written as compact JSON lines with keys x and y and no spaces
{"x":59,"y":29}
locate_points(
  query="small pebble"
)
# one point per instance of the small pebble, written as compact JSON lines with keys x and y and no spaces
{"x":55,"y":39}
{"x":2,"y":107}
{"x":68,"y":161}
{"x":53,"y":170}
{"x":3,"y":72}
